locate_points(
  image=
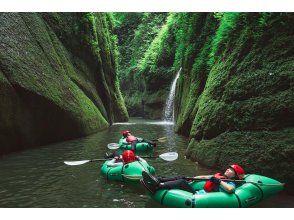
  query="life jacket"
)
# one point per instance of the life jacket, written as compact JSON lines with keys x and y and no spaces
{"x":210,"y":186}
{"x":130,"y":139}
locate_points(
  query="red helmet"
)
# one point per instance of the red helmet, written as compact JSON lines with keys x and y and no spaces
{"x":238,"y":170}
{"x":125,"y":133}
{"x":128,"y":156}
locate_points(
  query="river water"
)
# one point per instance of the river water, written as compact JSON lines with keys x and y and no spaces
{"x":39,"y":178}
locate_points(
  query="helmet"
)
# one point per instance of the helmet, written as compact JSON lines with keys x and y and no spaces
{"x":128,"y":156}
{"x":238,"y":170}
{"x":125,"y":133}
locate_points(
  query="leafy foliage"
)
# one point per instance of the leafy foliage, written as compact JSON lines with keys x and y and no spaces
{"x":228,"y":22}
{"x":135,"y":35}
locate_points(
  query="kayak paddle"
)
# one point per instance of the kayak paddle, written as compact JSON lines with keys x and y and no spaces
{"x":113,"y":146}
{"x":80,"y":162}
{"x":169,"y":156}
{"x":237,"y":181}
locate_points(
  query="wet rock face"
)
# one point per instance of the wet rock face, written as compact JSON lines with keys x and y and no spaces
{"x":239,"y":107}
{"x":48,"y":91}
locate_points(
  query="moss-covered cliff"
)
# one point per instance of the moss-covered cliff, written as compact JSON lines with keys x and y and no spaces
{"x":235,"y":99}
{"x":235,"y":95}
{"x":57,"y":77}
{"x":149,"y":75}
{"x":136,"y":32}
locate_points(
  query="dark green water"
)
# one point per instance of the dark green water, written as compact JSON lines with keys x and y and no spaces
{"x":39,"y":178}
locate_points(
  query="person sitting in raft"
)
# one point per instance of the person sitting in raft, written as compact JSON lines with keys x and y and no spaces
{"x":131,"y":139}
{"x":213,"y":184}
{"x":128,"y":156}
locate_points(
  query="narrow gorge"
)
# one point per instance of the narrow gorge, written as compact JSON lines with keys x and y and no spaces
{"x":234,"y":96}
{"x":68,"y":75}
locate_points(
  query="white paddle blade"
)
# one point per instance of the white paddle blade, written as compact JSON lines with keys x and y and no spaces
{"x":169,"y":156}
{"x":75,"y":163}
{"x":113,"y":146}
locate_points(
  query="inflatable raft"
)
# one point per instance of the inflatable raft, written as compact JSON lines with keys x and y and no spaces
{"x":140,"y":146}
{"x":255,"y":189}
{"x":130,"y":173}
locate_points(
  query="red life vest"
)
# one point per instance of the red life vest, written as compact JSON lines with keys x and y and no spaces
{"x":130,"y":139}
{"x":210,"y":186}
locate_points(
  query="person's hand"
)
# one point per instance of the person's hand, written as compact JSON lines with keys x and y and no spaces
{"x":116,"y":157}
{"x":215,"y":180}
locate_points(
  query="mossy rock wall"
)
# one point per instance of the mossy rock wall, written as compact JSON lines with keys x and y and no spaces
{"x":268,"y":153}
{"x":144,"y":94}
{"x":58,"y":78}
{"x":235,"y":98}
{"x":183,"y":38}
{"x":195,"y":69}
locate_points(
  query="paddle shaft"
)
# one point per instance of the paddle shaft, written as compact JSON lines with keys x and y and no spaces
{"x":149,"y":157}
{"x":99,"y":160}
{"x":237,"y":181}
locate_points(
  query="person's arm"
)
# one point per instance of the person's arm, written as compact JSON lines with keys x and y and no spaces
{"x":227,"y":186}
{"x":203,"y":177}
{"x":113,"y":163}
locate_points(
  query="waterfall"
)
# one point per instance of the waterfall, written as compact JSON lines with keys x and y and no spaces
{"x":169,"y":115}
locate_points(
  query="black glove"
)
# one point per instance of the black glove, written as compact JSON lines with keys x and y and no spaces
{"x":109,"y":155}
{"x":215,"y":180}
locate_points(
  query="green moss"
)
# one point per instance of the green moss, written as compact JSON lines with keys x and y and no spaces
{"x":249,"y":87}
{"x":191,"y":85}
{"x":228,"y":23}
{"x":157,"y":48}
{"x":234,"y":96}
{"x":135,"y":34}
{"x":60,"y":71}
{"x":267,"y":153}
